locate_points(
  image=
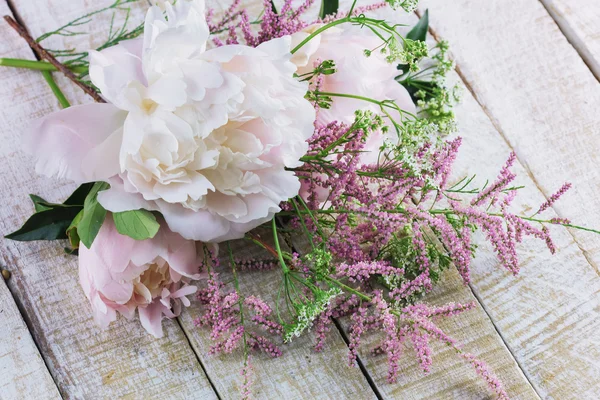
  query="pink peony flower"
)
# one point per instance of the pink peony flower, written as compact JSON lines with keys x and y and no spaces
{"x":357,"y":74}
{"x":121,"y":274}
{"x":205,"y":136}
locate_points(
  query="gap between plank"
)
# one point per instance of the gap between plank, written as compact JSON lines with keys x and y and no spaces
{"x":529,"y":173}
{"x":189,"y":341}
{"x":20,"y":306}
{"x":575,"y":41}
{"x":359,"y":361}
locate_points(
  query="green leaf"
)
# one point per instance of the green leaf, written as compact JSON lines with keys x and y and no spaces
{"x":46,"y":225}
{"x":274,"y":7}
{"x":72,"y":231}
{"x":419,"y":31}
{"x":78,"y":196}
{"x":328,"y":7}
{"x":93,"y":215}
{"x":137,"y":224}
{"x":39,"y":203}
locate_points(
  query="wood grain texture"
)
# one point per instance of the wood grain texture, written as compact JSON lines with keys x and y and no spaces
{"x":541,"y":101}
{"x":122,"y":362}
{"x":450,"y":378}
{"x":579,"y":23}
{"x":23,"y":374}
{"x":301,"y":373}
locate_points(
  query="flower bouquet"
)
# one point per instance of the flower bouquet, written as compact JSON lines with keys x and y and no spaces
{"x":328,"y":143}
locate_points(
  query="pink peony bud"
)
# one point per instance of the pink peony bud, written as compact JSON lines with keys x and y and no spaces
{"x":121,"y":274}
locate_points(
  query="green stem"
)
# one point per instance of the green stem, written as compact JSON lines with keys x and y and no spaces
{"x":304,"y":227}
{"x":285,"y":268}
{"x":547,"y":221}
{"x":348,"y":288}
{"x":37,"y":65}
{"x":381,"y":104}
{"x":319,"y":31}
{"x":64,"y":103}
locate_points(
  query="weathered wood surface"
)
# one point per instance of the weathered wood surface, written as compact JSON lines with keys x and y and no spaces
{"x":546,"y":317}
{"x":542,"y":101}
{"x":301,"y":373}
{"x":451,"y":377}
{"x":579,"y":23}
{"x":123,"y":361}
{"x":23,"y":374}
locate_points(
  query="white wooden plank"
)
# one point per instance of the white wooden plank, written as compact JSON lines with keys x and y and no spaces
{"x":542,"y":101}
{"x":123,"y":361}
{"x":300,"y":373}
{"x":579,"y":22}
{"x":450,"y":378}
{"x":275,"y":377}
{"x":23,"y":374}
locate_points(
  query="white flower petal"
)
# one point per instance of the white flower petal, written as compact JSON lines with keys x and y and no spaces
{"x":62,"y":141}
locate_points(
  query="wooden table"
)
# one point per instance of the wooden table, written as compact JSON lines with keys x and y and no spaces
{"x":530,"y":73}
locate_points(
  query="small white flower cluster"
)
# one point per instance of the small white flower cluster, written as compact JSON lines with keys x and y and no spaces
{"x":309,"y":311}
{"x":407,"y":5}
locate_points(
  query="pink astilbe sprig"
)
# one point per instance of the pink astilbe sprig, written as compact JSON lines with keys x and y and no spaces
{"x":504,"y":178}
{"x":548,"y":203}
{"x":364,"y":270}
{"x":414,"y":324}
{"x":272,"y":25}
{"x":223,"y":316}
{"x":488,"y":376}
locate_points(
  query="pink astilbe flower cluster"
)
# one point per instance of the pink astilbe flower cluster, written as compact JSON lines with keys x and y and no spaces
{"x":380,"y":210}
{"x":222,"y":313}
{"x":236,"y":21}
{"x":383,"y":222}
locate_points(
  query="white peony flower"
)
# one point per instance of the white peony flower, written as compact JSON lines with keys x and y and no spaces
{"x":203,"y":136}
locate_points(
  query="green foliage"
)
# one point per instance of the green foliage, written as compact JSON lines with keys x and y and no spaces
{"x":77,"y":198}
{"x":48,"y":224}
{"x":39,"y":204}
{"x":328,"y":7}
{"x":72,"y":234}
{"x":419,"y":31}
{"x":137,"y":224}
{"x":52,"y":220}
{"x":93,"y":215}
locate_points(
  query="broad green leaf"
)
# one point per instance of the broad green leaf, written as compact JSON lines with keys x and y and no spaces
{"x":39,"y":203}
{"x":419,"y":31}
{"x":274,"y":7}
{"x":137,"y":224}
{"x":78,"y":196}
{"x":72,"y":231}
{"x":93,"y":215}
{"x":328,"y":7}
{"x":46,"y":225}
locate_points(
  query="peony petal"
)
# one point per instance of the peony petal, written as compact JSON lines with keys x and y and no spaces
{"x":200,"y":225}
{"x":62,"y":141}
{"x":113,"y":69}
{"x":150,"y":317}
{"x":180,"y":254}
{"x":119,"y":292}
{"x":116,"y":199}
